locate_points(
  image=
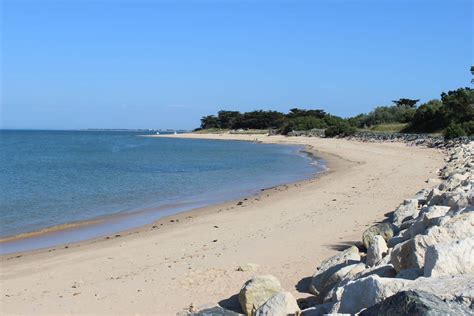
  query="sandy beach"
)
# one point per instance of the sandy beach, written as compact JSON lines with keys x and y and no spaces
{"x":192,"y":257}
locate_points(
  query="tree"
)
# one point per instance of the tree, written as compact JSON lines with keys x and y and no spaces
{"x":408,"y":103}
{"x":295,"y":112}
{"x":210,"y":121}
{"x":428,"y":117}
{"x":261,"y":120}
{"x":458,"y":105}
{"x":228,"y":119}
{"x":303,"y":123}
{"x":454,"y":130}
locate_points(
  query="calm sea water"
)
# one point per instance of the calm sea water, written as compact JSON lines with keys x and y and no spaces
{"x":51,"y":178}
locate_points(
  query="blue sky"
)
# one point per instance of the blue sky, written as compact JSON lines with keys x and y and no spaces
{"x":164,"y":64}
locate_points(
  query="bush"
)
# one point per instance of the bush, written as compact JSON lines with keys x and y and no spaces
{"x":469,"y":128}
{"x":454,"y":130}
{"x":340,"y":129}
{"x":303,"y":123}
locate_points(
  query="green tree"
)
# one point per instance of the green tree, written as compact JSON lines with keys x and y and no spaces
{"x":228,"y":119}
{"x":454,"y":130}
{"x":210,"y":121}
{"x":458,"y":105}
{"x":408,"y":103}
{"x":303,"y":123}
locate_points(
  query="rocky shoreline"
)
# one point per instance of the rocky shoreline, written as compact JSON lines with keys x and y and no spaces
{"x":411,"y":139}
{"x":420,"y":260}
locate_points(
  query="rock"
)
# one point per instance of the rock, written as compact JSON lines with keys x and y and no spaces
{"x":457,"y":199}
{"x":405,"y":225}
{"x":453,"y":182}
{"x":322,"y":282}
{"x":410,"y":274}
{"x":386,"y":230}
{"x":435,"y":197}
{"x":428,"y":217}
{"x":450,"y":258}
{"x":411,"y":253}
{"x":351,"y":253}
{"x":415,"y":303}
{"x":280,"y":304}
{"x":319,"y":282}
{"x":459,"y":288}
{"x":384,"y":271}
{"x":318,"y":310}
{"x":377,"y":249}
{"x":395,"y":240}
{"x":257,"y":291}
{"x":403,"y":256}
{"x":409,"y":209}
{"x":366,"y":292}
{"x":422,"y":195}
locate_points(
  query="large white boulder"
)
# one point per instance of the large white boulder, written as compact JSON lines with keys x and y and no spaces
{"x":384,"y":271}
{"x":450,"y":258}
{"x":256,"y":291}
{"x":428,"y":217}
{"x":366,"y":292}
{"x":377,"y":249}
{"x":409,"y":209}
{"x":280,"y":304}
{"x":411,"y":253}
{"x":321,"y":280}
{"x":363,"y":293}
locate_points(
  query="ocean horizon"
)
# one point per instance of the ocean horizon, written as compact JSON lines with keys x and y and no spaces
{"x":117,"y":180}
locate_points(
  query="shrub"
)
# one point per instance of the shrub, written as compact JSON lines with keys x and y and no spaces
{"x":468,"y":128}
{"x":340,"y":129}
{"x":303,"y":123}
{"x":454,"y":130}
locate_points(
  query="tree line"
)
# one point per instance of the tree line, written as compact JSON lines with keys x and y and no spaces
{"x":452,"y":114}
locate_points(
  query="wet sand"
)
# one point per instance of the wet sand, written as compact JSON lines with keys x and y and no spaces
{"x":193,"y":257}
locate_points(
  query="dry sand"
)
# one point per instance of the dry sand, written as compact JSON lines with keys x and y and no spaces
{"x":192,"y":257}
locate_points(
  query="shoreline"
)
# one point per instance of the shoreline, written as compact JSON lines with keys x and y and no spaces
{"x":168,"y":210}
{"x":261,"y":230}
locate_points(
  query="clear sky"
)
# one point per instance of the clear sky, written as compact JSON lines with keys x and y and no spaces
{"x":164,"y":64}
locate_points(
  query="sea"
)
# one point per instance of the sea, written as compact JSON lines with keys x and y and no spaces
{"x":61,"y":187}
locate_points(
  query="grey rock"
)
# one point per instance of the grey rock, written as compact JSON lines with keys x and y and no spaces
{"x":344,"y":258}
{"x":410,"y":274}
{"x":409,"y":209}
{"x":318,"y":310}
{"x":326,"y":280}
{"x":416,"y":303}
{"x":366,"y":292}
{"x":383,"y":271}
{"x":386,"y":230}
